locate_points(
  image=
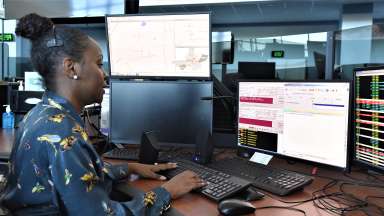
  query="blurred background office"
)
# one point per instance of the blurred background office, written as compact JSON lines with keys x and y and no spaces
{"x":305,"y":38}
{"x":300,"y":39}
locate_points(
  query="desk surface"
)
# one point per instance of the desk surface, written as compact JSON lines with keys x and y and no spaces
{"x":195,"y":204}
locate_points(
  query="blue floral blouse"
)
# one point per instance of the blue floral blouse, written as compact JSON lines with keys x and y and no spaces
{"x":53,"y":164}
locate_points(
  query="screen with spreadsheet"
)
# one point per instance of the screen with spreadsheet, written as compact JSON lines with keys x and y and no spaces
{"x":160,"y":45}
{"x":369,"y":117}
{"x":303,"y":120}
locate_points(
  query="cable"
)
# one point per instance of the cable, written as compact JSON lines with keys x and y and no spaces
{"x":337,"y":202}
{"x":323,"y":203}
{"x":300,"y":201}
{"x":375,"y":178}
{"x":360,"y":182}
{"x":92,"y":124}
{"x":333,"y":197}
{"x":314,"y":197}
{"x":374,"y":197}
{"x":341,"y":202}
{"x":324,"y":200}
{"x":106,"y":146}
{"x":366,"y":199}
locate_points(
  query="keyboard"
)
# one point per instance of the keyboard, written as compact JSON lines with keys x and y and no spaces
{"x":277,"y":181}
{"x":219,"y":186}
{"x":122,"y":154}
{"x":133,"y":154}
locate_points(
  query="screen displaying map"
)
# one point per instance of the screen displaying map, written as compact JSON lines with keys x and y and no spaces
{"x":159,"y":45}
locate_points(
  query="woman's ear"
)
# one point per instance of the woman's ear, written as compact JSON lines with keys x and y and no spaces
{"x":71,"y":68}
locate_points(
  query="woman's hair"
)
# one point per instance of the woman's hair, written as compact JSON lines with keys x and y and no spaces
{"x":50,"y":44}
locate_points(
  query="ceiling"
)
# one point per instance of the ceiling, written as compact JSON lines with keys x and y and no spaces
{"x":246,"y":13}
{"x":277,"y":11}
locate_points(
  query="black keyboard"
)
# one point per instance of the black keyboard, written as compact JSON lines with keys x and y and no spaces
{"x":122,"y":154}
{"x":133,"y":154}
{"x":277,"y":181}
{"x":219,"y":185}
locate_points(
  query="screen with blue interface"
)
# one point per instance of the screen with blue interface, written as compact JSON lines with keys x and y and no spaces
{"x":304,"y":120}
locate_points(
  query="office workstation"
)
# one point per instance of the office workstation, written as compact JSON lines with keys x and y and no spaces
{"x":273,"y":124}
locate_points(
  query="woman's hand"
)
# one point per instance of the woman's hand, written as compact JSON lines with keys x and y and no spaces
{"x":183,"y":183}
{"x":149,"y":171}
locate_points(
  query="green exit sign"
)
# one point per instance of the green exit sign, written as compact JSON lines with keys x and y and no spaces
{"x":7,"y":37}
{"x":278,"y":54}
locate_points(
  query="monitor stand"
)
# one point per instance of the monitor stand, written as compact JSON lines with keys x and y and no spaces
{"x":150,"y":147}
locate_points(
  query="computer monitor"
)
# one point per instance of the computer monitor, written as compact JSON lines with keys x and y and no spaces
{"x":369,"y":118}
{"x":301,"y":120}
{"x":23,"y":101}
{"x":257,"y":70}
{"x":160,"y":46}
{"x":173,"y":109}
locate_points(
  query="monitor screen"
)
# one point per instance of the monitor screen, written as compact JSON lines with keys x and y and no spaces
{"x":160,"y":46}
{"x":369,"y":117}
{"x":257,"y":70}
{"x":174,"y":109}
{"x":303,"y":120}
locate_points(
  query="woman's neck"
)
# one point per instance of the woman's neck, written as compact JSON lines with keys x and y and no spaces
{"x":69,"y":96}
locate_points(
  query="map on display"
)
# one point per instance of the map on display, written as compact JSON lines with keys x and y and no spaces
{"x":159,"y":45}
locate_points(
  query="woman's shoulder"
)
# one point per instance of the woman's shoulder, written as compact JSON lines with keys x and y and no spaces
{"x":46,"y":120}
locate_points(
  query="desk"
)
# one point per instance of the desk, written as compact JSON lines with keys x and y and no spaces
{"x":197,"y":205}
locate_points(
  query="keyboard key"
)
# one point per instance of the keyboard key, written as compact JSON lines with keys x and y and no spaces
{"x":220,"y":185}
{"x":277,"y":181}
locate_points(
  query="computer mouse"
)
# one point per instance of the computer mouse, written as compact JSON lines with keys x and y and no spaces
{"x":251,"y":194}
{"x":235,"y":207}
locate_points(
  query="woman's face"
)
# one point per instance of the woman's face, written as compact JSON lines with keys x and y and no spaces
{"x":91,"y":75}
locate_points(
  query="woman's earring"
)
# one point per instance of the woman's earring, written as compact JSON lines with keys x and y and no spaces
{"x":75,"y":77}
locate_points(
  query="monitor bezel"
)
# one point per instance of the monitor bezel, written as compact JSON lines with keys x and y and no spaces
{"x":354,"y":159}
{"x":314,"y":163}
{"x":254,"y":64}
{"x":128,"y":77}
{"x":148,"y":82}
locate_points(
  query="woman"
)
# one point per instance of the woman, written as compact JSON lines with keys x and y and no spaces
{"x":54,"y":168}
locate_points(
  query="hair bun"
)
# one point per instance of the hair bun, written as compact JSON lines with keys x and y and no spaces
{"x":33,"y":26}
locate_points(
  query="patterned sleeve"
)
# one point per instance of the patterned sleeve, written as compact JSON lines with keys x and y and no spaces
{"x":78,"y":177}
{"x":117,"y":172}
